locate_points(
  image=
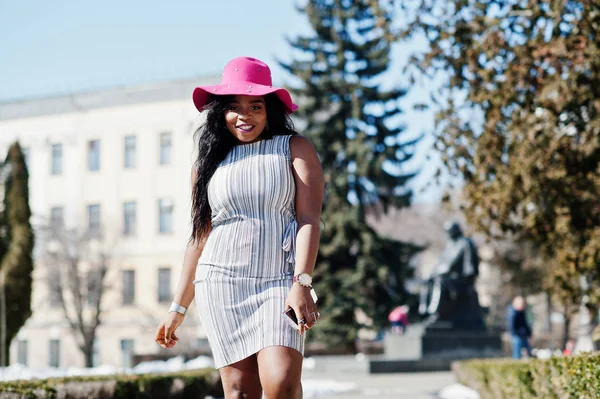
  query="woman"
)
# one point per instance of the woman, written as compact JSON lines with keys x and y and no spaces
{"x":256,"y":201}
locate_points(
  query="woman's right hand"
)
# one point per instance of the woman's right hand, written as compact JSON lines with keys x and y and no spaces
{"x":165,"y":334}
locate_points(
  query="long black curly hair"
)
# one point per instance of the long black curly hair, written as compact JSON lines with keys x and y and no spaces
{"x":214,"y":141}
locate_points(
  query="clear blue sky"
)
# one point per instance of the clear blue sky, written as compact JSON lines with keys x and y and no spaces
{"x":48,"y":47}
{"x":62,"y":46}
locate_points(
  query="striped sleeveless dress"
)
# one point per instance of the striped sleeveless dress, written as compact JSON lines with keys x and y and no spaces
{"x":247,"y":266}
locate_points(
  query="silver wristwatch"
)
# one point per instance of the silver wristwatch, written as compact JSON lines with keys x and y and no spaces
{"x":175,"y":307}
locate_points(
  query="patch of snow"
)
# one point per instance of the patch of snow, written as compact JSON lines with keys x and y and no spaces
{"x":544,"y":353}
{"x":397,"y":392}
{"x":308,"y":363}
{"x":200,"y":362}
{"x":317,"y":388}
{"x":79,"y":371}
{"x":458,"y":391}
{"x":20,"y":372}
{"x":159,"y":366}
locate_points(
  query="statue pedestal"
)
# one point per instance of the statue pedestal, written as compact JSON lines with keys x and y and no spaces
{"x":443,"y":341}
{"x":406,"y":346}
{"x":433,"y":347}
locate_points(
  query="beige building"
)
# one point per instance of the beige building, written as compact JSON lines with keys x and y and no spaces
{"x":117,"y":160}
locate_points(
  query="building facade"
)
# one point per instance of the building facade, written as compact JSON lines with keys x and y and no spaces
{"x":118,"y":161}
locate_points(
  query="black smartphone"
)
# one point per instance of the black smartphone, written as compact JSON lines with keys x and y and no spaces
{"x":290,"y":316}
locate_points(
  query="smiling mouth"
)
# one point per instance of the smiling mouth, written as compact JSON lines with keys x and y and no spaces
{"x":245,"y":128}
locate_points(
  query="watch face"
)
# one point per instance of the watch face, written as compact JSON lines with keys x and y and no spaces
{"x":305,"y":279}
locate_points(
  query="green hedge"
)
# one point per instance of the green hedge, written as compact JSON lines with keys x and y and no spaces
{"x":571,"y":377}
{"x":187,"y":384}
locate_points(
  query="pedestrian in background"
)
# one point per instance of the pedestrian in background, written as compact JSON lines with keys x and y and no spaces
{"x":257,"y":192}
{"x":569,"y":347}
{"x":398,"y":319}
{"x":518,"y":327}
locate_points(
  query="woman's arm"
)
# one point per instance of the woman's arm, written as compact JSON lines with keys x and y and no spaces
{"x":308,"y":177}
{"x":184,"y":294}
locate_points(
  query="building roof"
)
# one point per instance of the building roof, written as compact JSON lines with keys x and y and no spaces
{"x":104,"y":98}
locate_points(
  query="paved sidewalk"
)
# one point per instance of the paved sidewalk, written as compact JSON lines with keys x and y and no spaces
{"x":386,"y":386}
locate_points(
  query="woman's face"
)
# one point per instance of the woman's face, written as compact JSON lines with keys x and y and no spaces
{"x":246,"y":117}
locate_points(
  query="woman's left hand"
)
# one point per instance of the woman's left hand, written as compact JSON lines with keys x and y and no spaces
{"x":301,"y":301}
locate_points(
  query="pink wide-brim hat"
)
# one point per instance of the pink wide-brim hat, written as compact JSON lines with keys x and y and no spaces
{"x":244,"y":76}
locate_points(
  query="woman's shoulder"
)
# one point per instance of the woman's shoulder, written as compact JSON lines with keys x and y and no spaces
{"x":300,"y":145}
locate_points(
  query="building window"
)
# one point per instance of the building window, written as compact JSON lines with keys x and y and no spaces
{"x":54,"y":285}
{"x":22,"y":352}
{"x":129,"y":218}
{"x":95,"y":285}
{"x":165,"y":148}
{"x":128,"y":287}
{"x":164,"y":285}
{"x":127,"y":346}
{"x":130,"y":145}
{"x":57,"y":159}
{"x":94,"y":220}
{"x":94,"y":155}
{"x":54,"y":353}
{"x":25,"y":151}
{"x":165,"y":216}
{"x":56,"y":217}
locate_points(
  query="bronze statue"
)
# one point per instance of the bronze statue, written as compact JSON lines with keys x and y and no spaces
{"x":449,"y":294}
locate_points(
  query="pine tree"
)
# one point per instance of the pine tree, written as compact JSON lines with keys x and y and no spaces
{"x":350,"y":119}
{"x":17,"y":242}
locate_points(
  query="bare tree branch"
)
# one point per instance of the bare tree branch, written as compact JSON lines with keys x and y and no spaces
{"x":77,"y":265}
